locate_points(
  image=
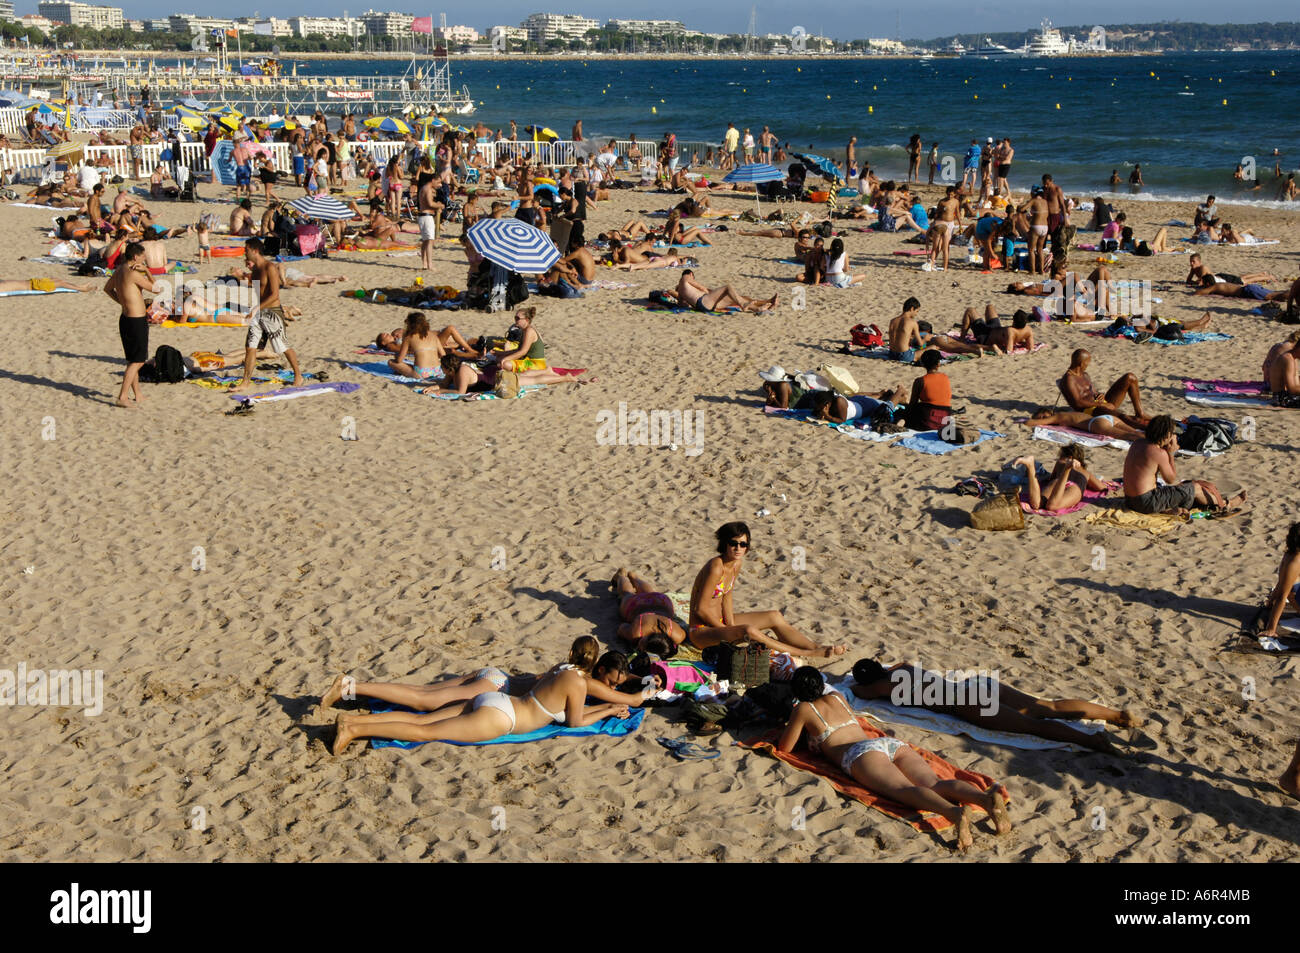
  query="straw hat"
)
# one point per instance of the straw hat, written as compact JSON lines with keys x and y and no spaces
{"x":774,"y":373}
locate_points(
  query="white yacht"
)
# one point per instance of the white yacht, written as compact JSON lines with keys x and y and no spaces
{"x":990,"y":50}
{"x":1048,"y":42}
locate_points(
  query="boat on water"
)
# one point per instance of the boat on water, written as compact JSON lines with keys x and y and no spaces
{"x":990,"y":50}
{"x":256,"y":87}
{"x":1047,"y":42}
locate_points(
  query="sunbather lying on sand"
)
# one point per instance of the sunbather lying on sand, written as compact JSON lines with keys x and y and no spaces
{"x":887,"y":766}
{"x":1064,"y":489}
{"x":45,"y":284}
{"x":1228,"y":289}
{"x":556,"y":697}
{"x":712,"y":619}
{"x":645,"y":611}
{"x":1013,"y":710}
{"x":691,"y":294}
{"x":1103,"y":425}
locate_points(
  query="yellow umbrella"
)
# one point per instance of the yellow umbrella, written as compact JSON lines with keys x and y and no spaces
{"x":64,"y":149}
{"x":230,"y":122}
{"x":388,"y":124}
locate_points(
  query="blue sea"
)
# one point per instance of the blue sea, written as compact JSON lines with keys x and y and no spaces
{"x":1187,"y":118}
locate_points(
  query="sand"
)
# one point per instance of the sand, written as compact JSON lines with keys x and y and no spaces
{"x":375,"y":557}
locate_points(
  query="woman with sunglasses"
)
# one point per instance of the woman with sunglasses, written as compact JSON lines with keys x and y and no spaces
{"x":712,"y":619}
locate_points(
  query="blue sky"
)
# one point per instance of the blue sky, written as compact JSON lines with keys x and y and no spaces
{"x":841,"y":20}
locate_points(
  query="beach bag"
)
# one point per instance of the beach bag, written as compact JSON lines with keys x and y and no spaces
{"x":507,"y":384}
{"x":1171,"y":331}
{"x":700,"y":717}
{"x":1001,"y":512}
{"x":841,"y":381}
{"x":867,"y":335}
{"x":1208,"y":435}
{"x":744,"y":663}
{"x":168,"y":364}
{"x":309,"y":239}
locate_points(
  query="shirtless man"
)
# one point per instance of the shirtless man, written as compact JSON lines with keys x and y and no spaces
{"x":1154,"y":455}
{"x":266,"y":320}
{"x":691,"y":294}
{"x":1283,"y":378}
{"x":1228,"y":289}
{"x":578,"y":267}
{"x":1055,"y":199}
{"x":1197,"y":271}
{"x":127,"y":287}
{"x":136,"y":149}
{"x":1004,"y":157}
{"x":1080,"y":394}
{"x":947,"y":217}
{"x":430,"y":210}
{"x":1037,"y":210}
{"x":1004,"y":340}
{"x":907,"y":340}
{"x":241,"y":219}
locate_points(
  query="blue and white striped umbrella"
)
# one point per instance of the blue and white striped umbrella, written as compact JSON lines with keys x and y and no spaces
{"x":820,"y":165}
{"x":755,"y":172}
{"x":321,"y":207}
{"x":514,"y":244}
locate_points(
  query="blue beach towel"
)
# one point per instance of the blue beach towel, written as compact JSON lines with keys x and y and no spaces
{"x":380,"y":369}
{"x":616,"y":727}
{"x":929,"y":442}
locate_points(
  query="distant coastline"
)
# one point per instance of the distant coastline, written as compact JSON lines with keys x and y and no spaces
{"x":578,"y":57}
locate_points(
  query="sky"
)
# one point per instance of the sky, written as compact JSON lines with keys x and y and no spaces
{"x":921,"y":19}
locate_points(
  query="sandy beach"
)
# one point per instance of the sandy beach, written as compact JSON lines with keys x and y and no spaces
{"x":453,"y":535}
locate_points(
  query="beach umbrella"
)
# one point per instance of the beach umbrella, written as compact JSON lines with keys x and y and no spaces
{"x":387,"y":124}
{"x":321,"y":207}
{"x":513,"y":244}
{"x":190,"y":117}
{"x":192,"y":103}
{"x":282,"y":124}
{"x":64,"y":149}
{"x":541,"y":133}
{"x":755,"y":172}
{"x":821,"y":165}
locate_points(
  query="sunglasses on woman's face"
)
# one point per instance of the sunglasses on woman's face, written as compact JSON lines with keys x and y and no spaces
{"x":738,"y":543}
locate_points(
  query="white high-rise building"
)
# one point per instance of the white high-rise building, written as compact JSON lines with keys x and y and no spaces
{"x":329,"y":27}
{"x":387,"y":24}
{"x":71,"y":13}
{"x":542,"y":27}
{"x":648,"y":27}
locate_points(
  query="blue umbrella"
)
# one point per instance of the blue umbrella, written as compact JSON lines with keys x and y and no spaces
{"x":192,"y":103}
{"x":821,"y":165}
{"x":513,"y":244}
{"x":321,"y":207}
{"x":755,"y":172}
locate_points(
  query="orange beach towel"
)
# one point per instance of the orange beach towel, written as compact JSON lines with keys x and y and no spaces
{"x":805,"y":760}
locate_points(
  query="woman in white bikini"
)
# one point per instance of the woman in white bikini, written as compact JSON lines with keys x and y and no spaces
{"x":712,"y":620}
{"x":1103,"y":425}
{"x":559,"y":697}
{"x":891,"y":768}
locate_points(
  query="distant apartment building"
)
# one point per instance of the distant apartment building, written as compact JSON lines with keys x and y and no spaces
{"x":268,"y":26}
{"x":6,"y":10}
{"x":70,"y":13}
{"x":190,"y":24}
{"x":543,"y":27}
{"x":648,"y":27}
{"x":34,"y":21}
{"x":886,"y":46}
{"x":387,"y":24}
{"x":456,"y":35}
{"x":329,"y":27}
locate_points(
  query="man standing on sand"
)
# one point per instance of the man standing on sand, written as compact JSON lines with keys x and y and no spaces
{"x":126,"y":287}
{"x":730,"y":142}
{"x":136,"y":149}
{"x":1154,"y":454}
{"x":947,"y":219}
{"x":934,"y":161}
{"x":266,"y":321}
{"x":1004,"y":168}
{"x":430,"y":209}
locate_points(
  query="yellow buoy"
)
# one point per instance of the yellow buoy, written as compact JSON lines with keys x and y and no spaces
{"x":1225,"y":102}
{"x":1058,"y":105}
{"x":654,"y":110}
{"x":871,"y":109}
{"x":828,"y":95}
{"x":798,"y":69}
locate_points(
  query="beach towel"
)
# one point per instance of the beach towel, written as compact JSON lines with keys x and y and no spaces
{"x":930,"y":442}
{"x":169,"y":323}
{"x":306,"y":390}
{"x":662,"y":245}
{"x":524,"y":391}
{"x":219,"y":382}
{"x":28,"y":291}
{"x":1189,"y":337}
{"x":1154,"y":523}
{"x":1240,"y":388}
{"x":1254,"y":244}
{"x":381,"y":369}
{"x":928,"y":720}
{"x":660,"y":309}
{"x":1065,"y":436}
{"x":1226,"y":400}
{"x":882,"y":353}
{"x":848,"y":430}
{"x":924,"y":821}
{"x":615,"y":727}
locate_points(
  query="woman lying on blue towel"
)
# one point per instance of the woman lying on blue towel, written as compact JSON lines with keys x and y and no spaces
{"x":477,"y":707}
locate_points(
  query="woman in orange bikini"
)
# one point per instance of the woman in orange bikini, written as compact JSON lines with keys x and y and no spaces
{"x":712,"y":619}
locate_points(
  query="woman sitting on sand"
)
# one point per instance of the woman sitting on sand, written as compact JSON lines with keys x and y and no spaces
{"x":1068,"y":481}
{"x":1015,"y":711}
{"x":712,"y":619}
{"x":836,"y":272}
{"x":644,"y":610}
{"x":557,"y":697}
{"x":583,"y":658}
{"x":1103,"y":425}
{"x":887,"y":766}
{"x":675,"y":233}
{"x":529,"y":353}
{"x":420,"y":342}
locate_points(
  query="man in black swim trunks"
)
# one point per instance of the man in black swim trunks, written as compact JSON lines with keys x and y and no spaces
{"x":127,"y":286}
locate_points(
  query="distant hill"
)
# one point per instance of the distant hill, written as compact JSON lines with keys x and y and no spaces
{"x":1149,"y":36}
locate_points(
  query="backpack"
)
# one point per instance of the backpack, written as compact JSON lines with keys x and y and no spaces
{"x":1208,"y":435}
{"x":823,"y":229}
{"x":867,"y":335}
{"x":168,"y":364}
